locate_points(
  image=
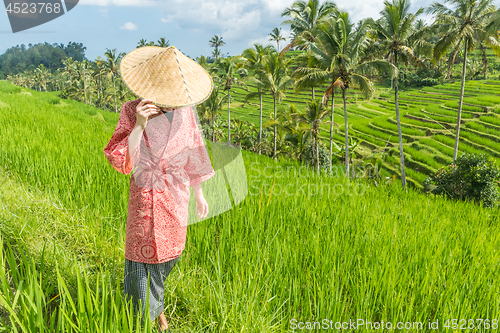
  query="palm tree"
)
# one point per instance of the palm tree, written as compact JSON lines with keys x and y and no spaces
{"x":111,"y":66}
{"x":273,"y":76}
{"x":81,"y":70}
{"x":76,"y":90}
{"x":339,"y":49}
{"x":307,"y":62}
{"x":97,"y":71}
{"x":162,"y":42}
{"x":44,"y":73}
{"x":58,"y":75}
{"x":298,"y":132}
{"x":141,"y":43}
{"x":202,"y":61}
{"x":122,"y":92}
{"x":69,"y":68}
{"x":490,"y":38}
{"x":462,"y":24}
{"x":27,"y":79}
{"x":243,"y":131}
{"x":37,"y":80}
{"x":253,"y":58}
{"x":422,"y":47}
{"x":229,"y":75}
{"x":276,"y":37}
{"x":315,"y":113}
{"x":211,"y":108}
{"x":216,"y":53}
{"x":468,"y":19}
{"x":216,"y":42}
{"x":304,"y":19}
{"x":397,"y":38}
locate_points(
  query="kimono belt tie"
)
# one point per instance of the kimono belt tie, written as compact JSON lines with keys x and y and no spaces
{"x":150,"y":175}
{"x":157,"y":176}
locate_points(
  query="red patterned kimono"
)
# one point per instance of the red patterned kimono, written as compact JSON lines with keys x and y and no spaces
{"x":170,"y":158}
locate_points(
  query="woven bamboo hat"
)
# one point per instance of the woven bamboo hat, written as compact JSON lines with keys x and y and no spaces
{"x":166,"y":76}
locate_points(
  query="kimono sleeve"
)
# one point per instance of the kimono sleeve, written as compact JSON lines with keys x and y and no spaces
{"x":198,"y":166}
{"x":116,"y":150}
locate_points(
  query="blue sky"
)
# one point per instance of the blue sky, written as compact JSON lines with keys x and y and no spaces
{"x":187,"y":24}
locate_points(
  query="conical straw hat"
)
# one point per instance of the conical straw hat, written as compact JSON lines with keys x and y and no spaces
{"x":166,"y":76}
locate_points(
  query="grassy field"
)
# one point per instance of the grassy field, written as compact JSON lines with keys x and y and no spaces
{"x":315,"y":248}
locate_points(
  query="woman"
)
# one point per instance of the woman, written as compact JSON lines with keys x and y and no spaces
{"x":158,"y":141}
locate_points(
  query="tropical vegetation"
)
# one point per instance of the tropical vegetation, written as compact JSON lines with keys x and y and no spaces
{"x":329,"y":228}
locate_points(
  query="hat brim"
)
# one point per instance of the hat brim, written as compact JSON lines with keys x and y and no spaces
{"x":165,"y":76}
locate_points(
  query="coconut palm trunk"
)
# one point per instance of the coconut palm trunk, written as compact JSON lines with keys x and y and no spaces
{"x":346,"y":132}
{"x":98,"y":92}
{"x":452,"y":60}
{"x":398,"y":119}
{"x":459,"y":116}
{"x":260,"y":119}
{"x":331,"y":131}
{"x":229,"y":116}
{"x":485,"y":60}
{"x":114,"y":87}
{"x":275,"y":133}
{"x":213,"y":129}
{"x":84,"y":84}
{"x":317,"y":145}
{"x":100,"y":85}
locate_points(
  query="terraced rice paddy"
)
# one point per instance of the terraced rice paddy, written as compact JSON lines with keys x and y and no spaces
{"x":428,"y":117}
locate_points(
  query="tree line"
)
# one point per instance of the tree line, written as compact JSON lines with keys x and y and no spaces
{"x":21,"y":58}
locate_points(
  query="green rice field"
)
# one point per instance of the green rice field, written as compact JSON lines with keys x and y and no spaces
{"x":427,"y":114}
{"x":301,"y":248}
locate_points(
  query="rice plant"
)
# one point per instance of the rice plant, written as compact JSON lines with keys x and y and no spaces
{"x":422,"y":157}
{"x":491,"y":120}
{"x":361,"y":127}
{"x":383,"y":122}
{"x":438,"y":110}
{"x":454,"y":105}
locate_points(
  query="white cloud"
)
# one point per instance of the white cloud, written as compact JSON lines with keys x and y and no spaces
{"x":129,"y":26}
{"x":240,"y":26}
{"x":362,"y":9}
{"x":232,"y":20}
{"x":276,"y":6}
{"x":261,"y":40}
{"x":104,"y":12}
{"x":238,"y":22}
{"x":264,"y":40}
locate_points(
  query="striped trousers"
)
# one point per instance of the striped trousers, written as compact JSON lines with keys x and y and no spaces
{"x":135,"y":283}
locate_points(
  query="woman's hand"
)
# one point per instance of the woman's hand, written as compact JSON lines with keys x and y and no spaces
{"x":144,"y":110}
{"x":201,"y":205}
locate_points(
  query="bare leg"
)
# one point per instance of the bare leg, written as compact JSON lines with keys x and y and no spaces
{"x":162,"y":321}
